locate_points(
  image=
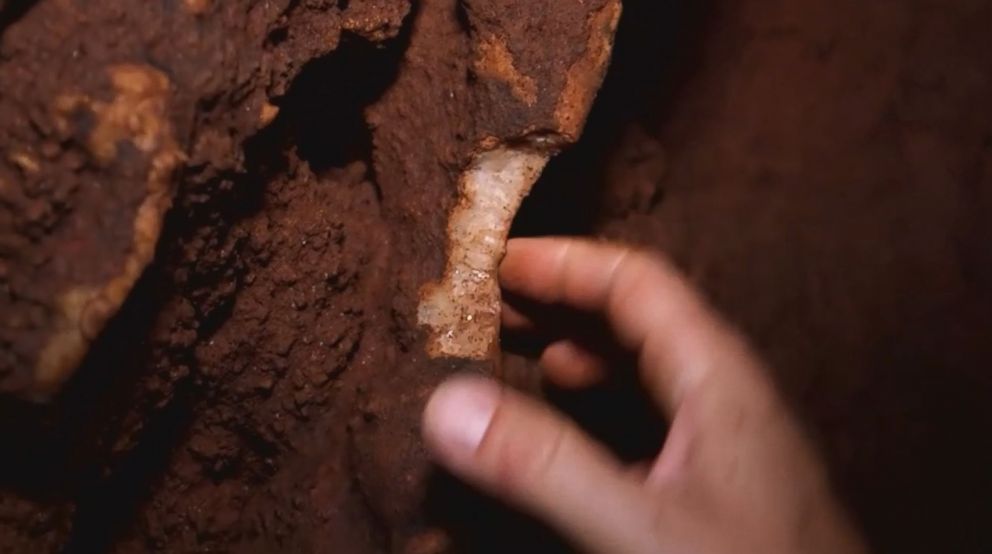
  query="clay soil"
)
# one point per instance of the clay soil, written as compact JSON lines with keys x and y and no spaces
{"x":821,"y":168}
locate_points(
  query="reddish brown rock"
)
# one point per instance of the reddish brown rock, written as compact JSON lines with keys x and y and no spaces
{"x":94,"y":134}
{"x":280,"y":311}
{"x":820,"y":168}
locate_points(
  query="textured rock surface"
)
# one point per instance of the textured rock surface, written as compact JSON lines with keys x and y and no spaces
{"x":537,"y":72}
{"x":101,"y":105}
{"x":821,"y":168}
{"x":262,"y":386}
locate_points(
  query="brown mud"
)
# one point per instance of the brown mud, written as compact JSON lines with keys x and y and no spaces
{"x":822,"y":169}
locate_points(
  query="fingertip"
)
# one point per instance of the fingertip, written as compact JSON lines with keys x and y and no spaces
{"x":513,"y":269}
{"x":527,"y":261}
{"x":515,"y":320}
{"x":457,"y":417}
{"x":568,"y":365}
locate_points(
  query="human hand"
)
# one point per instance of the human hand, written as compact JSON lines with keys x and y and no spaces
{"x":735,"y":473}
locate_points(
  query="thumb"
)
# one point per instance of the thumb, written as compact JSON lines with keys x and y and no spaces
{"x":532,"y":457}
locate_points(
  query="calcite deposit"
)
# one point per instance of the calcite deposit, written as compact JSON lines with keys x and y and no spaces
{"x":537,"y":80}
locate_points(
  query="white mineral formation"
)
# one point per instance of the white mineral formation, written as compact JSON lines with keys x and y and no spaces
{"x":463,"y":309}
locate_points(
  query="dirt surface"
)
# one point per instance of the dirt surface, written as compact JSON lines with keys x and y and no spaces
{"x":102,"y":104}
{"x":822,"y":169}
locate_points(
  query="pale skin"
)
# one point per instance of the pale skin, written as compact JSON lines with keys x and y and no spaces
{"x":735,"y":474}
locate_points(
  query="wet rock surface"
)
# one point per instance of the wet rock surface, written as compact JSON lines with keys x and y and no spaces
{"x":821,"y":169}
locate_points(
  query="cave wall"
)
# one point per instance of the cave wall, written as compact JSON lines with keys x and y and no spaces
{"x":199,"y":419}
{"x":821,"y":169}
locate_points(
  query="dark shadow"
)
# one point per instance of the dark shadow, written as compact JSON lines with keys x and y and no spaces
{"x":657,"y":44}
{"x":617,"y":412}
{"x":13,"y":10}
{"x":324,"y":110}
{"x":105,"y":508}
{"x":51,"y":447}
{"x":108,"y":492}
{"x":480,"y":524}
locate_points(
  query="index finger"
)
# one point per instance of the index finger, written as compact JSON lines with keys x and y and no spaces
{"x":651,"y":308}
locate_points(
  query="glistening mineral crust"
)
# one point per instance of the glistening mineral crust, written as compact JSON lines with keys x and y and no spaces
{"x":539,"y":70}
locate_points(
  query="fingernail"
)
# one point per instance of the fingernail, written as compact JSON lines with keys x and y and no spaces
{"x":458,"y":416}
